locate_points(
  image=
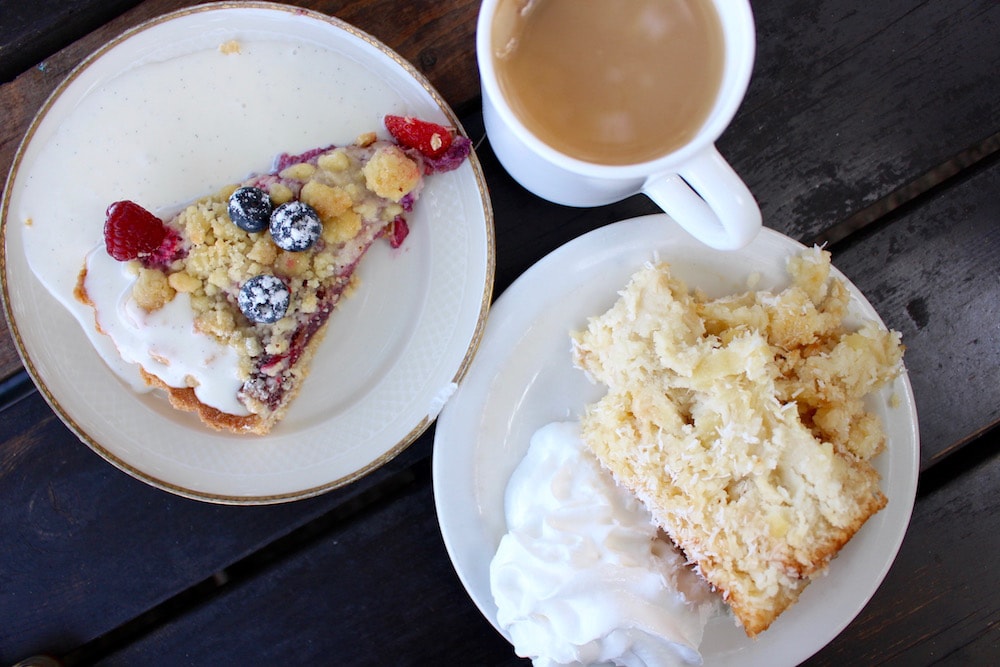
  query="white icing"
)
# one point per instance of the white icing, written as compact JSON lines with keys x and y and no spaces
{"x":583,"y":577}
{"x":164,"y":342}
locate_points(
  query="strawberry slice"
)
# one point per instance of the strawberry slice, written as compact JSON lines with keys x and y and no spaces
{"x":130,"y":231}
{"x":429,"y":138}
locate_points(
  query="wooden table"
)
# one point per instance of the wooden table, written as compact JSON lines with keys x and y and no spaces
{"x":871,"y":126}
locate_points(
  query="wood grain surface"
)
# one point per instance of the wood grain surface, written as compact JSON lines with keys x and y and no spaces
{"x":923,"y":271}
{"x":858,"y":112}
{"x":92,"y":548}
{"x":902,"y":627}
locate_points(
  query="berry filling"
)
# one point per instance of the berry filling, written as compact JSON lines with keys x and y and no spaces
{"x":268,"y":383}
{"x":398,"y":231}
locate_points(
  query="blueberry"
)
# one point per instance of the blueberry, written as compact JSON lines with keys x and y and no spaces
{"x":264,"y":299}
{"x":250,"y":209}
{"x":295,"y":226}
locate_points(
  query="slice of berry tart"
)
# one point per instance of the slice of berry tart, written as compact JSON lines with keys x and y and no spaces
{"x":225,"y":304}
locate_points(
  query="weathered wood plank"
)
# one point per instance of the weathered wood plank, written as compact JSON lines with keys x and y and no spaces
{"x":86,"y":548}
{"x":380,"y":592}
{"x":933,"y":273}
{"x":32,"y":31}
{"x":938,"y":604}
{"x":357,"y":593}
{"x":850,"y":100}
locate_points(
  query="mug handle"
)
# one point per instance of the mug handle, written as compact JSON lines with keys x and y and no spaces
{"x":708,"y":199}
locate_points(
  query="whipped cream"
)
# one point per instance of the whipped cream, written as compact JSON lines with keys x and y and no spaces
{"x":583,"y":576}
{"x":164,"y":342}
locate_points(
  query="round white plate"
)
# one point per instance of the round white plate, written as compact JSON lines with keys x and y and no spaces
{"x":523,"y":378}
{"x":162,"y":116}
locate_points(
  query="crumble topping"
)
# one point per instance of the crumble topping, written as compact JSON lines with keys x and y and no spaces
{"x":356,"y":191}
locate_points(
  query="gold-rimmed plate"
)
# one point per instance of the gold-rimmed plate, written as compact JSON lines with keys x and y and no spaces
{"x":174,"y":109}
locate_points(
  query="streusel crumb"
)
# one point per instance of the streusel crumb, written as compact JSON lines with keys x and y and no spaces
{"x":230,"y":47}
{"x":391,"y":174}
{"x":152,"y":290}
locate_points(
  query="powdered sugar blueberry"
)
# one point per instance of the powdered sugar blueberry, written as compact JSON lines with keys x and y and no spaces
{"x":264,"y":299}
{"x":295,"y":226}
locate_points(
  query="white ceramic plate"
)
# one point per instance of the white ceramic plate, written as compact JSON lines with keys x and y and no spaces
{"x":162,"y":115}
{"x":523,"y":378}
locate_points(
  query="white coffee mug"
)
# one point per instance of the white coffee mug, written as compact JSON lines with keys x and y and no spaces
{"x":694,"y":184}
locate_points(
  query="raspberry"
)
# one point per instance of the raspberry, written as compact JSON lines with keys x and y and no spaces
{"x":398,"y":231}
{"x":171,"y":249}
{"x":131,"y":232}
{"x":429,"y":138}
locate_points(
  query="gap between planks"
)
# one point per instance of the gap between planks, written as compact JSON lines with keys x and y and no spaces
{"x":938,"y":472}
{"x":961,"y":166}
{"x":249,"y":567}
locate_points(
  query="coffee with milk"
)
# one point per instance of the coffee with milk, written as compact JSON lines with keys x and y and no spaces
{"x":609,"y":81}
